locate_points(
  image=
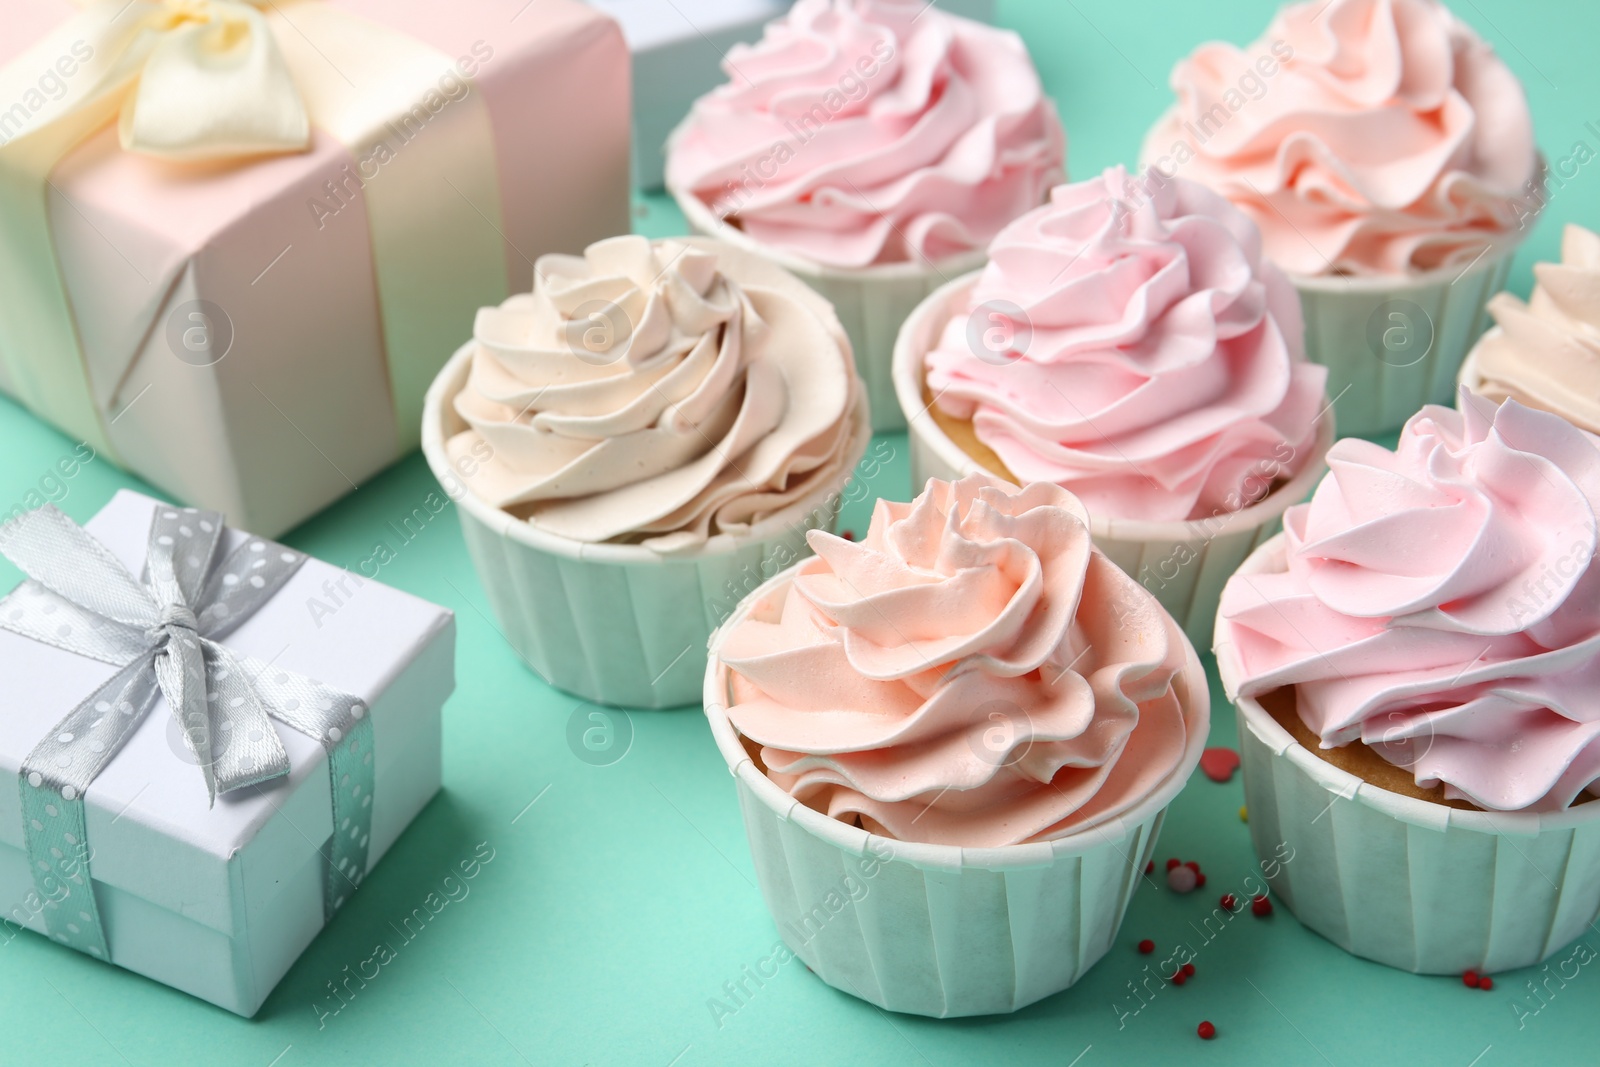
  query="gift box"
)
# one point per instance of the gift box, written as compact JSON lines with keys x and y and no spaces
{"x":239,"y":239}
{"x":203,"y":848}
{"x":678,"y":52}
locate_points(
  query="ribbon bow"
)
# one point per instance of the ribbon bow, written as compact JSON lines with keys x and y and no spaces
{"x":188,"y":79}
{"x":164,"y":634}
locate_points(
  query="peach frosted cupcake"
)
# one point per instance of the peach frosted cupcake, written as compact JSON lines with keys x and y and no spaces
{"x":972,"y":690}
{"x":1387,"y":154}
{"x":651,"y":423}
{"x":1129,"y":342}
{"x":872,"y":147}
{"x":1415,"y":662}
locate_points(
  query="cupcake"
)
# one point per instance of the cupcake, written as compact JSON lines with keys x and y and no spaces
{"x":966,"y":729}
{"x":872,"y":147}
{"x":1387,"y":154}
{"x":1546,"y":353}
{"x":653,"y":424}
{"x":1416,"y":661}
{"x":1129,"y":342}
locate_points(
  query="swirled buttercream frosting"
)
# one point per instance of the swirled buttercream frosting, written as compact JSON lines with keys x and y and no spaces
{"x":973,"y":673}
{"x":1129,"y":342}
{"x":1441,"y":604}
{"x":863,"y":132}
{"x":1372,"y":137}
{"x":1546,"y":353}
{"x":660,"y":393}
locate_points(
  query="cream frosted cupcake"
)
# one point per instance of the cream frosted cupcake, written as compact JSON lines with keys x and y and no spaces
{"x":1387,"y":154}
{"x":1416,"y":662}
{"x":872,"y":147}
{"x":651,"y":423}
{"x":973,"y":722}
{"x":1546,"y":353}
{"x":1129,"y":342}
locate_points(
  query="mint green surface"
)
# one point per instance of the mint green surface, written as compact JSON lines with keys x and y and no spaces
{"x":621,"y":898}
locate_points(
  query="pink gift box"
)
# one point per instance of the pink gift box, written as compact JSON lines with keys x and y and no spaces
{"x":237,"y":350}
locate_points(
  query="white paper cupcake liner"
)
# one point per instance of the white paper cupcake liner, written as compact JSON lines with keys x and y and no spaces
{"x":1415,"y":885}
{"x":614,"y":624}
{"x":1184,"y":564}
{"x":872,"y":303}
{"x":1368,"y":333}
{"x":939,"y":930}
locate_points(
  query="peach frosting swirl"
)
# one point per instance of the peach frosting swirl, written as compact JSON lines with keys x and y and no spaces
{"x":1441,"y":604}
{"x":1391,"y":140}
{"x":1546,"y":353}
{"x":972,"y":673}
{"x":863,"y":132}
{"x":1160,"y":365}
{"x":660,"y":393}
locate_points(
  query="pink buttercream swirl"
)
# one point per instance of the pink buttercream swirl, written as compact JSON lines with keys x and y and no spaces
{"x":1393,"y":139}
{"x":1441,"y":604}
{"x":972,"y":673}
{"x":1161,"y":369}
{"x":860,"y":132}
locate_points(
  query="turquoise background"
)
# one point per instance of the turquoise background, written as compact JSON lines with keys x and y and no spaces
{"x":622,"y":899}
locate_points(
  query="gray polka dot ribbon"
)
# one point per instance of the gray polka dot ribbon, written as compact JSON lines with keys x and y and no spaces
{"x":163,"y":632}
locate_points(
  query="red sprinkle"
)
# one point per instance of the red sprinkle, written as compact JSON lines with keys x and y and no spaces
{"x":1147,"y":946}
{"x":1199,"y":880}
{"x":1206,"y":1031}
{"x":1188,"y":970}
{"x":1178,"y":978}
{"x":1174,"y":863}
{"x":1193,"y":866}
{"x":1486,"y":983}
{"x":1261,"y":907}
{"x":1471,"y":980}
{"x":1149,"y":867}
{"x":1229,"y":901}
{"x":848,"y":535}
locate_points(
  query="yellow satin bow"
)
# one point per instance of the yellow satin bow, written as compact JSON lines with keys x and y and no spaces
{"x":188,"y":79}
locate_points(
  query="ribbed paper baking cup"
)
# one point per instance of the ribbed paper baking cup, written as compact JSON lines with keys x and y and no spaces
{"x":871,"y":302}
{"x":1392,"y":345}
{"x":615,"y":624}
{"x":939,"y":930}
{"x":1184,"y":564}
{"x":1415,"y":885}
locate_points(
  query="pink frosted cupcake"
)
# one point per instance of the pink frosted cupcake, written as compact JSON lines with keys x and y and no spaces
{"x":1416,"y":661}
{"x":1129,"y":342}
{"x":975,"y":720}
{"x":872,"y":147}
{"x":1387,"y":154}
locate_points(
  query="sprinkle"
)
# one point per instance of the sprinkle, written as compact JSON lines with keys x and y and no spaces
{"x":1261,"y":907}
{"x":1229,"y":901}
{"x":1199,"y":881}
{"x":1218,"y":764}
{"x":1150,"y":867}
{"x":1193,"y":866}
{"x":1188,"y":970}
{"x":1244,"y":813}
{"x":848,"y":535}
{"x":1206,"y":1031}
{"x":1174,"y":862}
{"x":1178,"y":977}
{"x":1486,"y":983}
{"x":1471,"y":980}
{"x":1147,"y":946}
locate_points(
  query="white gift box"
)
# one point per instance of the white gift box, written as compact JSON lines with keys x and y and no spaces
{"x":219,"y":901}
{"x":678,"y":48}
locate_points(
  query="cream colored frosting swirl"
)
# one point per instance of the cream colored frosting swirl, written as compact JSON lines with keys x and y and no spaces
{"x":1546,"y":353}
{"x":972,"y":673}
{"x":659,"y":393}
{"x":1362,"y":136}
{"x":861,"y":132}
